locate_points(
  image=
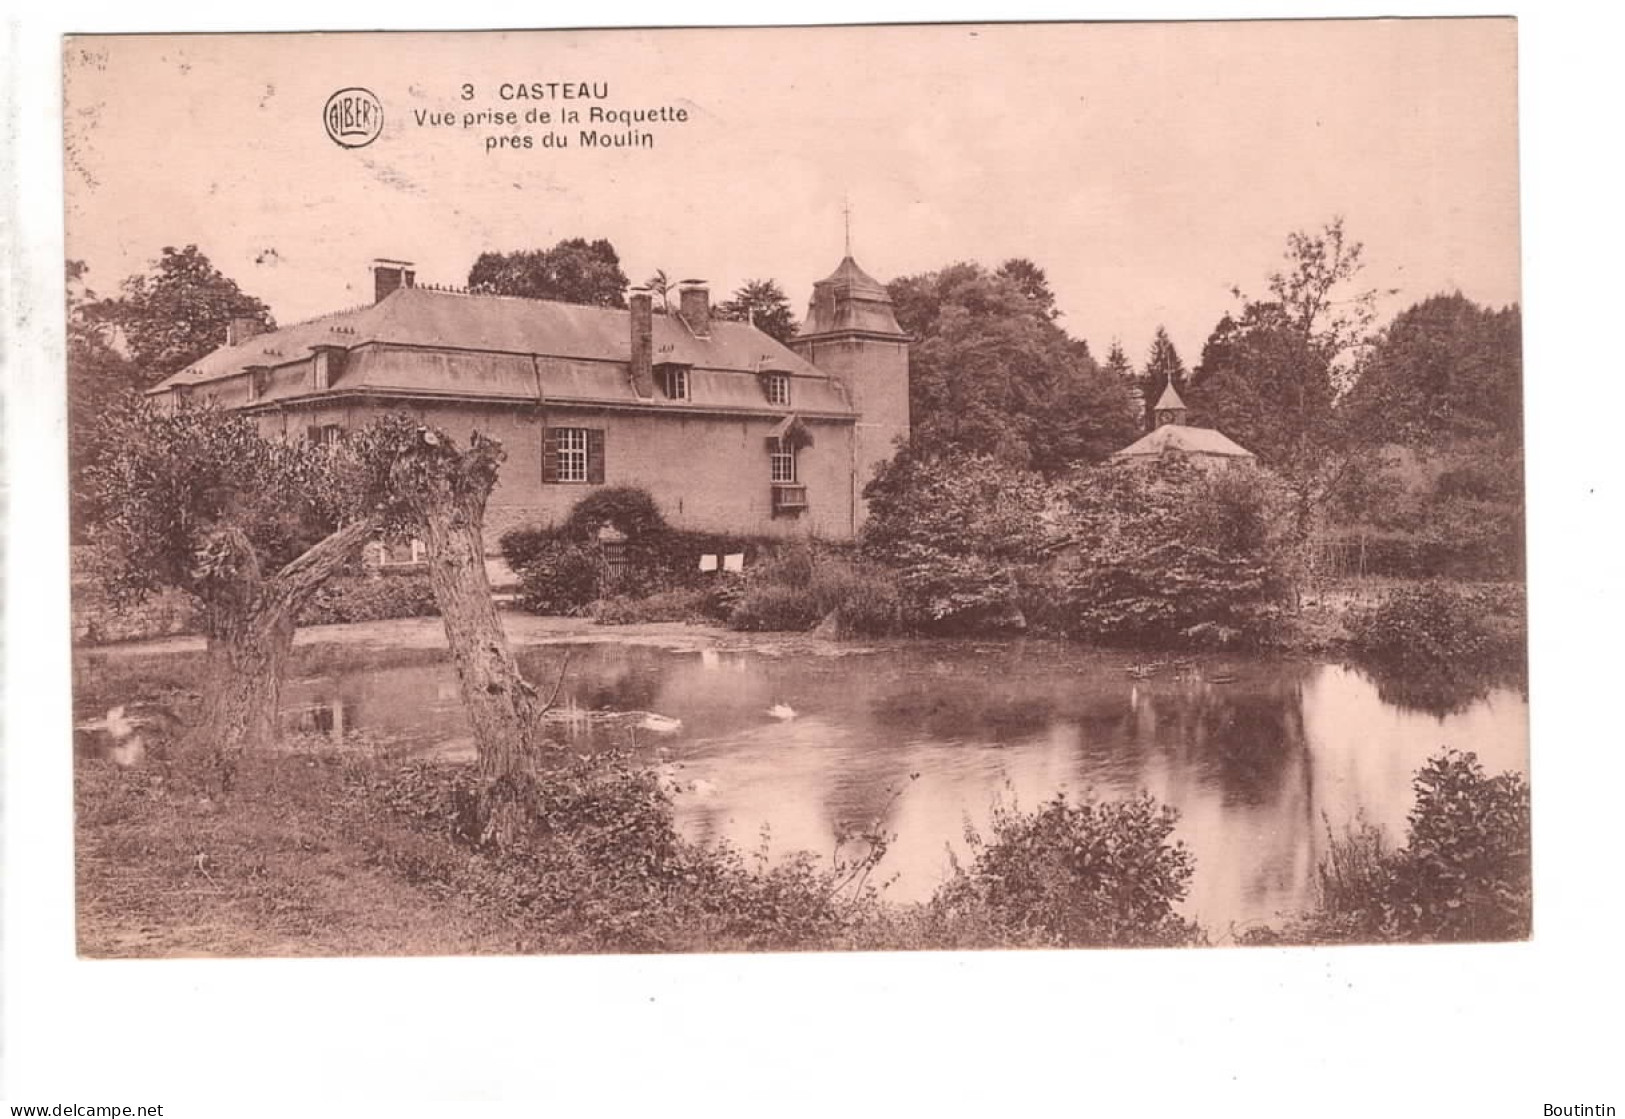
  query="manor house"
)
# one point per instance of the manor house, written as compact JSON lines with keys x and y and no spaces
{"x":729,"y":430}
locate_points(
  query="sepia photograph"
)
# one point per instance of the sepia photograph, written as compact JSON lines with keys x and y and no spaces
{"x":886,"y":488}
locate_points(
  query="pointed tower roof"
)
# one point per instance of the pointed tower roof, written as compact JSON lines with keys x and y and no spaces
{"x":1169,"y":400}
{"x":850,"y":301}
{"x":857,"y":282}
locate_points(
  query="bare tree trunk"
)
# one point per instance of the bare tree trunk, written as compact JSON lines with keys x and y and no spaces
{"x":251,"y":625}
{"x":448,"y":491}
{"x":247,"y":657}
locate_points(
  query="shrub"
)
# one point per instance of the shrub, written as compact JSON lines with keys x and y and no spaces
{"x":563,"y":570}
{"x":1437,"y":628}
{"x":98,"y":619}
{"x":602,"y":867}
{"x":1463,"y":874}
{"x":370,"y":598}
{"x":520,"y":546}
{"x":767,"y":605}
{"x":1088,"y":874}
{"x":559,"y":577}
{"x":629,"y":510}
{"x":959,"y":530}
{"x":1169,"y":554}
{"x":861,"y":600}
{"x":802,"y":585}
{"x":663,"y":606}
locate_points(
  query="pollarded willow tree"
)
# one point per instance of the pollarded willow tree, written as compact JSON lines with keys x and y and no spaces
{"x":199,"y":500}
{"x":423,"y":485}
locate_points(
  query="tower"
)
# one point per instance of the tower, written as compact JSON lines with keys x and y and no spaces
{"x":1170,"y":409}
{"x":852,"y":334}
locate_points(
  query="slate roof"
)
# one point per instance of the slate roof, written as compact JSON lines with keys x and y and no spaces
{"x":1186,"y":440}
{"x":492,"y":345}
{"x":849,"y":299}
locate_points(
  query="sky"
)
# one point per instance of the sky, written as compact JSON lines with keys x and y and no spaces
{"x":1148,"y":168}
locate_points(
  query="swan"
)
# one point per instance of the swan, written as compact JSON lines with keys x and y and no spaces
{"x":782,"y":711}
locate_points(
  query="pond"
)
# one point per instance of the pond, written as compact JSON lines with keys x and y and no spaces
{"x":1260,"y":756}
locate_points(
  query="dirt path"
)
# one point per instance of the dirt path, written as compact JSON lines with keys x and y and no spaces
{"x":523,"y":630}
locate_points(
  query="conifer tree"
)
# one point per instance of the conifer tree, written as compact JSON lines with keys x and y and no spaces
{"x":1162,"y":366}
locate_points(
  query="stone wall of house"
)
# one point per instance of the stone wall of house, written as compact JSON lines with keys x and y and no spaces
{"x":707,"y":473}
{"x":875,"y":373}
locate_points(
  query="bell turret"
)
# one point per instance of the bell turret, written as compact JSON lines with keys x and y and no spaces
{"x":1170,"y":409}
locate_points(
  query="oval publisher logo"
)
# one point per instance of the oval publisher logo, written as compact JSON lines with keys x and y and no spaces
{"x":354,"y":117}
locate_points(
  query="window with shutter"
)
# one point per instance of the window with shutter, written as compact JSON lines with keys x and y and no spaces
{"x":573,"y":454}
{"x":595,"y":456}
{"x":550,"y":456}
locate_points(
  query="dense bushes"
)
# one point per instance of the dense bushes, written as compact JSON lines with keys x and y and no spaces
{"x":602,"y":867}
{"x":802,"y":586}
{"x":1463,"y":874}
{"x":565,"y":569}
{"x":960,"y":531}
{"x":657,"y":578}
{"x":1085,"y":874}
{"x":1455,"y":512}
{"x":556,"y":575}
{"x":344,"y":598}
{"x":1437,"y":628}
{"x":603,"y":864}
{"x":1168,"y":554}
{"x":370,"y":598}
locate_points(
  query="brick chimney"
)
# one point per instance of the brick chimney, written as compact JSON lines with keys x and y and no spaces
{"x":695,"y":307}
{"x":641,"y":304}
{"x":389,"y":276}
{"x":241,"y":328}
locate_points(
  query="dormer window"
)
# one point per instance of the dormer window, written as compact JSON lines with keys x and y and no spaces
{"x":258,"y":376}
{"x":777,"y":387}
{"x":676,"y":381}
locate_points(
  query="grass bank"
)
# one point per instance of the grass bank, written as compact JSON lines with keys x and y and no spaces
{"x":321,"y":853}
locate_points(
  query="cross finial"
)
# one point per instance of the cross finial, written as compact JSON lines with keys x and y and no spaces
{"x":846,"y":211}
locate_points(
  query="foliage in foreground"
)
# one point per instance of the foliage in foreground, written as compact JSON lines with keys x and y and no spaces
{"x":601,"y":865}
{"x":1073,"y":874}
{"x":347,"y":852}
{"x":1462,"y":875}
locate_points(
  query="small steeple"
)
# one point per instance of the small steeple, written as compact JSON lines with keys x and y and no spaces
{"x":1169,"y":409}
{"x":850,"y":300}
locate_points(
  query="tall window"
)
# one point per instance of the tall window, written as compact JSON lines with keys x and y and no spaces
{"x":573,"y":454}
{"x":677,"y":382}
{"x":781,"y":458}
{"x":778,"y":388}
{"x":572,"y":449}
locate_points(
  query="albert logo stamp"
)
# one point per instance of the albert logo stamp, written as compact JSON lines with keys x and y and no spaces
{"x":353,"y":117}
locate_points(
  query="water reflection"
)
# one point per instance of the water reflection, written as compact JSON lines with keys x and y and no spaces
{"x":1257,"y":755}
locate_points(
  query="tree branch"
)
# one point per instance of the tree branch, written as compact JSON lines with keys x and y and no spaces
{"x":322,"y":560}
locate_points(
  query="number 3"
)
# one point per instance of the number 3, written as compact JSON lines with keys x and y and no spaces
{"x":468,"y":92}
